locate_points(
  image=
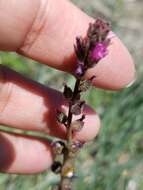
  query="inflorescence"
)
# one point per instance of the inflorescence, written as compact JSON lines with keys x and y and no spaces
{"x":89,"y":51}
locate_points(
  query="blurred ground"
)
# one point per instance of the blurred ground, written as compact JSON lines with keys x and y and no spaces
{"x":114,"y":160}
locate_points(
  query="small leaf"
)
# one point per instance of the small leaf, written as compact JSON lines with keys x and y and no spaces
{"x":61,"y":117}
{"x":67,"y":92}
{"x":56,"y":167}
{"x":58,"y":147}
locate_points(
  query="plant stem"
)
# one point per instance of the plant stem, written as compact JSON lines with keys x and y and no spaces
{"x":66,"y":183}
{"x":70,"y":115}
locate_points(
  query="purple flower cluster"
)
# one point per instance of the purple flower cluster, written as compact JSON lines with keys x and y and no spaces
{"x":91,"y":49}
{"x":99,"y":52}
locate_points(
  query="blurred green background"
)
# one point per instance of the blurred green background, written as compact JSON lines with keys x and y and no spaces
{"x":114,"y":160}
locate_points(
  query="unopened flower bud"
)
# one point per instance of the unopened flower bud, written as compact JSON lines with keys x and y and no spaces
{"x":80,"y":70}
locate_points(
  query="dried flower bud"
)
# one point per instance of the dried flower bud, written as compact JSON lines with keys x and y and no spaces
{"x":84,"y":85}
{"x":77,"y":107}
{"x":67,"y":92}
{"x":76,"y":146}
{"x":77,"y":125}
{"x":98,"y":31}
{"x":68,"y":171}
{"x":58,"y":147}
{"x":56,"y":167}
{"x":103,"y":28}
{"x":61,"y":117}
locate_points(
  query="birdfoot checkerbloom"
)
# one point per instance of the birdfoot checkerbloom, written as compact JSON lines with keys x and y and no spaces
{"x":89,"y":51}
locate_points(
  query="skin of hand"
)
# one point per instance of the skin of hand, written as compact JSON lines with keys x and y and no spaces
{"x":45,"y":31}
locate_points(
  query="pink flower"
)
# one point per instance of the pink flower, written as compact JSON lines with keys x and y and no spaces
{"x":99,"y":52}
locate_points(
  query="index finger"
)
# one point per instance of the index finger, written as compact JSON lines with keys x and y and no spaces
{"x":46,"y":30}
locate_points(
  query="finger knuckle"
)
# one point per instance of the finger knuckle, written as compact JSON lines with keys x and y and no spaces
{"x":35,"y":29}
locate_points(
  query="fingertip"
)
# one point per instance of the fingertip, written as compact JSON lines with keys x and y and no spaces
{"x":117,"y":70}
{"x":24,"y":154}
{"x":123,"y":65}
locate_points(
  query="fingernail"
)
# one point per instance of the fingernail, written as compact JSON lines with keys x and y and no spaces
{"x":131,"y":83}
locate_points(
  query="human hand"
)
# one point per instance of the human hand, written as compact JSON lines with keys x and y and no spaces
{"x":45,"y":31}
